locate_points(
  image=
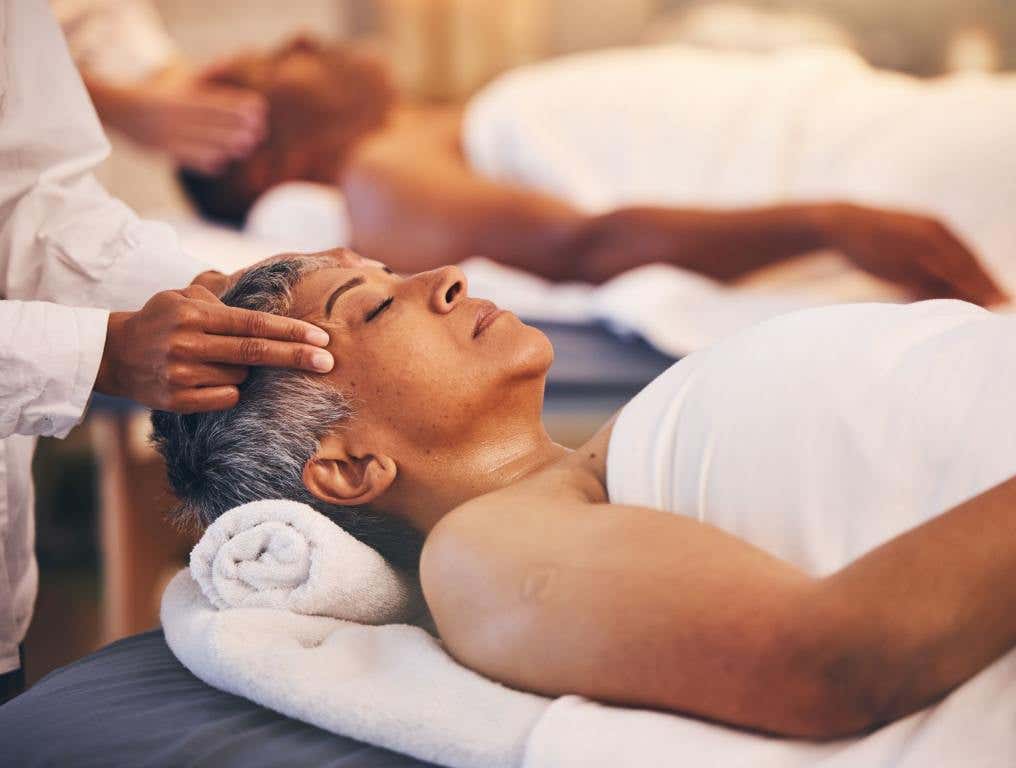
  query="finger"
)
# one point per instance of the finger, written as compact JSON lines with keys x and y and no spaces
{"x":232,"y":141}
{"x":199,"y":291}
{"x":233,"y":321}
{"x":962,"y":271}
{"x":201,"y":399}
{"x":228,"y":108}
{"x":262,"y":352}
{"x":954,"y":261}
{"x":207,"y":375}
{"x":201,"y":158}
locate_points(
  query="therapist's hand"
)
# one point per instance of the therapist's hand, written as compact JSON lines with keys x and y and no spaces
{"x":186,"y":351}
{"x":200,"y":125}
{"x":918,"y":252}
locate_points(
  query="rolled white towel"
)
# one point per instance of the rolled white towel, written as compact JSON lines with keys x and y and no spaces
{"x":284,"y":554}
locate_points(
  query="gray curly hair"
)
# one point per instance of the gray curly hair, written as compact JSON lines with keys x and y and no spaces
{"x":258,"y":449}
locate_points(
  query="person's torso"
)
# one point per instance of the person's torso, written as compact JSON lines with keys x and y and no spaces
{"x":821,"y":434}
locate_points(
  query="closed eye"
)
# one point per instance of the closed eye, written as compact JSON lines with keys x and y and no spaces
{"x":378,"y":309}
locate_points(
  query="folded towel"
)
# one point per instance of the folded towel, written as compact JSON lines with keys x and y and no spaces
{"x":283,"y":554}
{"x":393,"y":685}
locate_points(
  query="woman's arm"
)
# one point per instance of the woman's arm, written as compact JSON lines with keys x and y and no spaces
{"x":645,"y":608}
{"x":914,"y":251}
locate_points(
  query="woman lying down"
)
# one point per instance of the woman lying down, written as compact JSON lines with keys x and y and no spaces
{"x":807,"y":529}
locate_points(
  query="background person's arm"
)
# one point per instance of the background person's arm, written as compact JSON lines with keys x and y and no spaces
{"x":914,"y":251}
{"x":200,"y":126}
{"x":416,"y":204}
{"x":644,"y":608}
{"x":142,"y":86}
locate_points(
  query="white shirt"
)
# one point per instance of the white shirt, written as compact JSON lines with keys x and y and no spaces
{"x":821,"y":434}
{"x":68,"y":253}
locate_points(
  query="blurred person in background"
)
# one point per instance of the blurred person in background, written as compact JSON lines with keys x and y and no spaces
{"x":586,"y":166}
{"x":70,"y":253}
{"x":143,"y":87}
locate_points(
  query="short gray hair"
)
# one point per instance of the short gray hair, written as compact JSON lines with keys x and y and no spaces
{"x":258,"y":449}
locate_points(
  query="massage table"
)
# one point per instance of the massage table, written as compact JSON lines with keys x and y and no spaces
{"x":133,"y":704}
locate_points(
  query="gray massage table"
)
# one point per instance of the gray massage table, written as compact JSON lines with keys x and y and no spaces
{"x":133,"y":704}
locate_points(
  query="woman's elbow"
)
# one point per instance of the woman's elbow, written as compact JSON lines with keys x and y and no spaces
{"x":839,"y":683}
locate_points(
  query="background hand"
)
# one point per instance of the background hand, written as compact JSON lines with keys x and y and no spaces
{"x":202,"y":126}
{"x":186,"y":351}
{"x":915,"y":251}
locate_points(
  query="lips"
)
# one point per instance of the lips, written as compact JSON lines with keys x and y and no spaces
{"x":487,"y":313}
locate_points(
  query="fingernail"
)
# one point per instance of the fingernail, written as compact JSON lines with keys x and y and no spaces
{"x":322,"y":361}
{"x":317,"y":336}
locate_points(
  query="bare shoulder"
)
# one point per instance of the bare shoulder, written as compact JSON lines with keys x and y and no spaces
{"x":482,"y":555}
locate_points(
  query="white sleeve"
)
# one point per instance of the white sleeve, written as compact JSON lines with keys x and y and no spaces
{"x":49,"y":355}
{"x":63,"y":238}
{"x":122,"y":41}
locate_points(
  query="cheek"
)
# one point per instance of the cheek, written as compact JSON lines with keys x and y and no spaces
{"x":404,"y":374}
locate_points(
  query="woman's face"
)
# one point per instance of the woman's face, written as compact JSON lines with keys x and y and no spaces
{"x":424,"y":363}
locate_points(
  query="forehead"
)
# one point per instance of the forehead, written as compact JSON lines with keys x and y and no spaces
{"x":314,"y":288}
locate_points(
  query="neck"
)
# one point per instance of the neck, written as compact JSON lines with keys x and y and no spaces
{"x":481,"y":466}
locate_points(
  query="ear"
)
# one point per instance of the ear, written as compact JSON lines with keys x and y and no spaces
{"x":338,"y":476}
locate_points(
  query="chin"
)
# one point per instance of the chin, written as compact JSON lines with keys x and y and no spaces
{"x":532,"y":353}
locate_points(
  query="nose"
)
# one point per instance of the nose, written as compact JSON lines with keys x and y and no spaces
{"x":448,"y":287}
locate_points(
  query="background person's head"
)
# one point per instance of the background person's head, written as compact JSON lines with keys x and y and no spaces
{"x":427,"y":382}
{"x":322,"y":100}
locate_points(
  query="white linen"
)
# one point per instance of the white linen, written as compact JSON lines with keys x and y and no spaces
{"x":306,"y":215}
{"x":282,"y":554}
{"x":63,"y":240}
{"x":974,"y":725}
{"x":849,"y":418}
{"x":393,"y":685}
{"x":681,"y":126}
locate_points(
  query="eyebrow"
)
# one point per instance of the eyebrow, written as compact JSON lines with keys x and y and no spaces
{"x":351,"y":283}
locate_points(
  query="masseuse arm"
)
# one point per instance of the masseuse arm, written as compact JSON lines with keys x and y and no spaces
{"x":639,"y":607}
{"x":416,"y":204}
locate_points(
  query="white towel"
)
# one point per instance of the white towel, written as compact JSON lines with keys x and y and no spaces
{"x":283,"y":554}
{"x":393,"y":686}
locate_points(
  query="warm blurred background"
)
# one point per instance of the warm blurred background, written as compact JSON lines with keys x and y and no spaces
{"x":103,"y":547}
